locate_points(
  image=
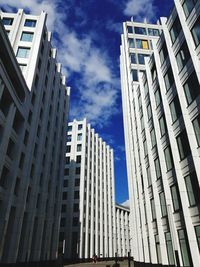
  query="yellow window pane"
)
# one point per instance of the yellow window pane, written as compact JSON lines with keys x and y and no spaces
{"x":145,"y":44}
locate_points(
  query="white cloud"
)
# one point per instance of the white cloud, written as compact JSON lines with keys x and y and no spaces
{"x":141,"y":9}
{"x":97,"y":86}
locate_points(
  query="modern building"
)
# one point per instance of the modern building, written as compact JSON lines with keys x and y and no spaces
{"x":33,"y":119}
{"x":162,"y":130}
{"x":123,"y":237}
{"x":88,"y":204}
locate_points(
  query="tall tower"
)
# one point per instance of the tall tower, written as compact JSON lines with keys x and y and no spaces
{"x":88,"y":205}
{"x":31,"y":166}
{"x":165,"y":171}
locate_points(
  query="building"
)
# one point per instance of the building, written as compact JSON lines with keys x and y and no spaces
{"x":163,"y":146}
{"x":88,"y":205}
{"x":123,"y":237}
{"x":33,"y":116}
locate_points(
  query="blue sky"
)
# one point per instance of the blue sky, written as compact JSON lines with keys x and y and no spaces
{"x":87,"y":35}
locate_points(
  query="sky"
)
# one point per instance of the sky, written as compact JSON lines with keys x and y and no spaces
{"x":86,"y":34}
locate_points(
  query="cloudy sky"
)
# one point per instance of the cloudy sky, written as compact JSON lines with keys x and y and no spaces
{"x":87,"y":35}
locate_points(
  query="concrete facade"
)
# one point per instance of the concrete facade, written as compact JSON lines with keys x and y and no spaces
{"x":163,"y":146}
{"x":88,"y":205}
{"x":33,"y":116}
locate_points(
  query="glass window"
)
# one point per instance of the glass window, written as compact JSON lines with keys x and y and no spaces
{"x":69,"y":128}
{"x":80,"y":127}
{"x":76,"y":207}
{"x":64,"y":197}
{"x":66,"y":171}
{"x":157,"y":97}
{"x":133,"y":58}
{"x":163,"y":53}
{"x":196,"y":32}
{"x":153,"y":32}
{"x":77,"y":182}
{"x":175,"y":29}
{"x":27,"y":36}
{"x":7,"y":21}
{"x":130,"y":29}
{"x":79,"y":147}
{"x":191,"y":88}
{"x":184,"y":246}
{"x":182,"y":56}
{"x":153,"y":137}
{"x":76,"y":194}
{"x":157,"y":168}
{"x":175,"y":108}
{"x":188,"y":5}
{"x":149,"y":111}
{"x":196,"y":126}
{"x":175,"y":197}
{"x":65,"y":183}
{"x":153,"y":210}
{"x":67,"y":160}
{"x":163,"y":127}
{"x":30,"y":23}
{"x":23,"y":52}
{"x":197,"y":231}
{"x":78,"y":170}
{"x":163,"y":204}
{"x":140,"y":30}
{"x":134,"y":74}
{"x":79,"y":137}
{"x":69,"y":138}
{"x":169,"y":79}
{"x":68,"y":149}
{"x":23,"y":67}
{"x":146,"y":89}
{"x":142,"y":44}
{"x":183,"y":145}
{"x":153,"y":72}
{"x":170,"y":251}
{"x":78,"y":159}
{"x":193,"y":190}
{"x":131,"y":43}
{"x":168,"y":158}
{"x":145,"y":147}
{"x":141,"y":58}
{"x":149,"y":176}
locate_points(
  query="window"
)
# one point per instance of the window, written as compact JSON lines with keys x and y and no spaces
{"x":133,"y":58}
{"x":196,"y":125}
{"x":68,"y":149}
{"x":163,"y":205}
{"x":188,"y":5}
{"x":69,"y":128}
{"x":153,"y":210}
{"x":157,"y":168}
{"x":183,"y":145}
{"x":131,"y":43}
{"x":69,"y":138}
{"x":191,"y":88}
{"x":23,"y":52}
{"x":153,"y":137}
{"x":170,"y":251}
{"x":140,"y":30}
{"x":80,"y":127}
{"x":77,"y":182}
{"x":146,"y":89}
{"x":162,"y":124}
{"x":67,"y":160}
{"x":130,"y":29}
{"x":4,"y":177}
{"x":168,"y":158}
{"x":7,"y":21}
{"x":27,"y":36}
{"x":196,"y":32}
{"x":197,"y":231}
{"x":76,"y":194}
{"x":142,"y":44}
{"x":64,"y":208}
{"x":184,"y":246}
{"x":153,"y":32}
{"x":23,"y":67}
{"x":141,"y":58}
{"x":79,"y":137}
{"x":79,"y":147}
{"x":175,"y":29}
{"x":145,"y":148}
{"x":148,"y":176}
{"x":163,"y":53}
{"x":78,"y":170}
{"x":175,"y":109}
{"x":134,"y":75}
{"x":78,"y":159}
{"x":153,"y":72}
{"x":169,"y":79}
{"x":157,"y":97}
{"x":175,"y":197}
{"x":62,"y":222}
{"x":75,"y":221}
{"x":64,"y":196}
{"x":65,"y":183}
{"x":182,"y":56}
{"x":66,"y":172}
{"x":149,"y":111}
{"x":76,"y":207}
{"x":30,"y":23}
{"x":192,"y":187}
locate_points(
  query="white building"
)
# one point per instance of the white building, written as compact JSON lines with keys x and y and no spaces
{"x":161,"y":120}
{"x":33,"y":121}
{"x":123,"y":237}
{"x":88,"y":205}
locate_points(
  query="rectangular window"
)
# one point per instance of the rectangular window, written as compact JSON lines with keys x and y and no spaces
{"x":148,"y":176}
{"x":77,"y":182}
{"x":69,"y":138}
{"x":162,"y":124}
{"x":175,"y":29}
{"x":184,"y":246}
{"x":76,"y":194}
{"x":131,"y":43}
{"x":69,"y":128}
{"x":149,"y":111}
{"x":175,"y":197}
{"x":175,"y":109}
{"x":76,"y":207}
{"x":153,"y":137}
{"x":27,"y":36}
{"x":80,"y":126}
{"x":140,"y":30}
{"x":133,"y":58}
{"x":67,"y":160}
{"x":30,"y":23}
{"x":78,"y":159}
{"x":153,"y":32}
{"x":153,"y":210}
{"x":65,"y":183}
{"x":193,"y":190}
{"x":64,"y":196}
{"x":191,"y":88}
{"x":157,"y":168}
{"x":134,"y":74}
{"x":142,"y":44}
{"x":196,"y":32}
{"x":78,"y":170}
{"x":196,"y":126}
{"x":168,"y":158}
{"x":79,"y":137}
{"x":153,"y":72}
{"x":79,"y":147}
{"x":68,"y":149}
{"x":4,"y":177}
{"x":188,"y":5}
{"x":7,"y":21}
{"x":130,"y":29}
{"x":23,"y":52}
{"x":66,"y":171}
{"x":170,"y":251}
{"x":182,"y":56}
{"x":169,"y":79}
{"x":197,"y":231}
{"x":163,"y":53}
{"x":141,"y":58}
{"x":157,"y":97}
{"x":183,"y":145}
{"x":163,"y":205}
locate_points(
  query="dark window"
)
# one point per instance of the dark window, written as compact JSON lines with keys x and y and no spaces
{"x":69,"y":128}
{"x":196,"y":32}
{"x":62,"y":222}
{"x":78,"y":159}
{"x":169,"y":79}
{"x":130,"y":29}
{"x":163,"y":53}
{"x":157,"y":168}
{"x":134,"y":75}
{"x":65,"y":183}
{"x":153,"y":72}
{"x":64,"y":196}
{"x":163,"y":204}
{"x":67,"y":160}
{"x":131,"y":43}
{"x":133,"y":58}
{"x":175,"y":108}
{"x":188,"y":5}
{"x":76,"y":194}
{"x":30,"y":23}
{"x":191,"y":88}
{"x":153,"y":209}
{"x":140,"y":30}
{"x":153,"y":137}
{"x":68,"y":149}
{"x":17,"y":184}
{"x":182,"y":56}
{"x":7,"y":21}
{"x":153,"y":32}
{"x":197,"y":231}
{"x":184,"y":246}
{"x":162,"y":124}
{"x":80,"y":127}
{"x":66,"y":172}
{"x":141,"y":58}
{"x":157,"y":97}
{"x":76,"y":207}
{"x":78,"y":170}
{"x":193,"y":190}
{"x":79,"y":147}
{"x":75,"y":221}
{"x":4,"y":177}
{"x":183,"y":145}
{"x":196,"y":125}
{"x":170,"y":251}
{"x":175,"y":29}
{"x":168,"y":158}
{"x":175,"y":197}
{"x":64,"y":208}
{"x":69,"y":138}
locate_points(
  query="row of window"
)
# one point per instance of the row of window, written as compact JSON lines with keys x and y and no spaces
{"x":27,"y":23}
{"x":69,"y":128}
{"x":138,"y":43}
{"x":143,"y":31}
{"x":77,"y":171}
{"x":78,"y":148}
{"x":138,"y":58}
{"x":65,"y":195}
{"x":79,"y":137}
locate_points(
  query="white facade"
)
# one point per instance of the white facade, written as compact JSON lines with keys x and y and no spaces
{"x":163,"y":142}
{"x":88,"y":205}
{"x":33,"y":129}
{"x":123,"y":237}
